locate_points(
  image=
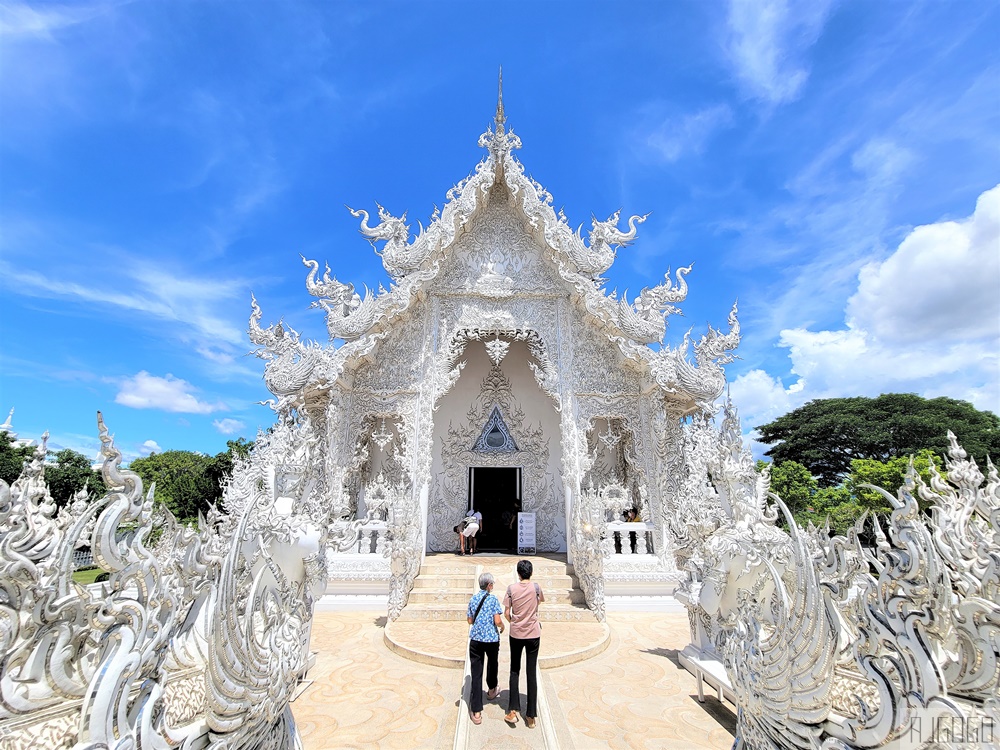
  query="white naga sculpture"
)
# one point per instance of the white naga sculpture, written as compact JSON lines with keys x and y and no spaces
{"x":195,"y":641}
{"x":827,"y":643}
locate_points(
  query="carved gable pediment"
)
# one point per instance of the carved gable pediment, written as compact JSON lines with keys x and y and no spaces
{"x":498,"y":256}
{"x":495,"y":437}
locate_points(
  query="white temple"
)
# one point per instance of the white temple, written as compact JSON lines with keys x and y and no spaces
{"x":496,"y":369}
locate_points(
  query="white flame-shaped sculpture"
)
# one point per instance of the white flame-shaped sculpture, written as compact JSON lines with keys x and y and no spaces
{"x":830,"y":644}
{"x":197,"y":641}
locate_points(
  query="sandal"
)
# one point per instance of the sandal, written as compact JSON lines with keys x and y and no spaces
{"x":511,"y":718}
{"x":494,"y":693}
{"x":477,"y":718}
{"x":529,"y":722}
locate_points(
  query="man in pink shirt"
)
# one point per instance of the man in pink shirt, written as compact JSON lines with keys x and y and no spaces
{"x":520,"y":607}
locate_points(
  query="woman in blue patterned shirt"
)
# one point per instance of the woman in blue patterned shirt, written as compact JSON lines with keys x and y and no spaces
{"x":484,"y":616}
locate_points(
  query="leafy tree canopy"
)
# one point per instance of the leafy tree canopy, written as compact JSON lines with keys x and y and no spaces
{"x":889,"y":475}
{"x":182,"y":479}
{"x":843,"y":505}
{"x":12,"y":458}
{"x":825,"y":435}
{"x":70,"y":473}
{"x":189,"y":483}
{"x":792,"y":482}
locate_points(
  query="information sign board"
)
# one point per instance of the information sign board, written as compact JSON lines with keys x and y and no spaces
{"x":525,"y":533}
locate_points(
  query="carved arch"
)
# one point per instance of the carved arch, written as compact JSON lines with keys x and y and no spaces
{"x":497,"y":340}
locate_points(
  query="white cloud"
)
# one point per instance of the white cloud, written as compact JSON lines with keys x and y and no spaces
{"x":881,"y":160}
{"x":214,"y":355}
{"x":228,"y":426}
{"x":833,"y":226}
{"x":149,"y":447}
{"x":145,"y":391}
{"x":855,"y":362}
{"x":20,"y":19}
{"x":192,"y":301}
{"x":761,"y":398}
{"x":941,"y":283}
{"x":925,"y":320}
{"x":766,"y":41}
{"x":675,"y":137}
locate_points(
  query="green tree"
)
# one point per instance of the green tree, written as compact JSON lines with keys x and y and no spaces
{"x":70,"y":473}
{"x":792,"y":482}
{"x":889,"y":475}
{"x":835,"y":505}
{"x":825,"y":435}
{"x":12,"y":458}
{"x":221,"y":465}
{"x":183,"y":481}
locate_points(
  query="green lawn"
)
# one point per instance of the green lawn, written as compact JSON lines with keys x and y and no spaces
{"x":86,"y":576}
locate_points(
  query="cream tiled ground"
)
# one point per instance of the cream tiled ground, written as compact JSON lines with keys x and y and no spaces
{"x":634,"y":695}
{"x":365,"y":696}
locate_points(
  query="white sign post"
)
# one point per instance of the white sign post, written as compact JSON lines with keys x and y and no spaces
{"x":525,"y":533}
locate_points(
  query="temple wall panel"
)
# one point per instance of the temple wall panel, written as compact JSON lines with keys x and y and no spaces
{"x":533,"y":423}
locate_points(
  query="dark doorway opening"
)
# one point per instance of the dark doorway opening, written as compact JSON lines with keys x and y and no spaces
{"x":496,"y":493}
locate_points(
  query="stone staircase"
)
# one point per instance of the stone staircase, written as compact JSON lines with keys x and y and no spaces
{"x":432,"y":628}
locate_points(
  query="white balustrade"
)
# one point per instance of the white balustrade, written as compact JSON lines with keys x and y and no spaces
{"x":622,"y":535}
{"x":371,"y":538}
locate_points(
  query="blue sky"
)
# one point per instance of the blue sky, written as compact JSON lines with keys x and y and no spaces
{"x":834,"y":166}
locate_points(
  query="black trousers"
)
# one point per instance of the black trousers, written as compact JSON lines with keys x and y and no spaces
{"x":478,"y":650}
{"x":530,"y":646}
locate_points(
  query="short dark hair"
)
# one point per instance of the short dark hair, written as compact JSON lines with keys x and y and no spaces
{"x":524,"y":569}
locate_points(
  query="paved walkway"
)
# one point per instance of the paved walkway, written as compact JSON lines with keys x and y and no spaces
{"x":634,"y":695}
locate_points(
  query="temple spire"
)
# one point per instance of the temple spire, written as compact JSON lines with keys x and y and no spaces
{"x":496,"y":140}
{"x":500,"y":119}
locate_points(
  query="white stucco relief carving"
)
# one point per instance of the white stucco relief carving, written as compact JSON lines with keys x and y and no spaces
{"x":528,"y":448}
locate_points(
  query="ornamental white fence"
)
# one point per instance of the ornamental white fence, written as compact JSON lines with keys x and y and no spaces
{"x":624,"y":538}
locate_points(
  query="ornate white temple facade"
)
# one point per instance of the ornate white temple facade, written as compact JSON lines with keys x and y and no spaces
{"x":497,"y":372}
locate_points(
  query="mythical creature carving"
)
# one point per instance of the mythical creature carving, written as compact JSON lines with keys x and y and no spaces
{"x":899,"y":637}
{"x":645,"y":319}
{"x":103,"y":668}
{"x":290,"y":364}
{"x":347,"y":315}
{"x":605,"y":237}
{"x":705,"y":380}
{"x":398,"y":256}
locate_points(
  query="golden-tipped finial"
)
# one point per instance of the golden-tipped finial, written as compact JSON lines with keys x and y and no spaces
{"x":500,"y":119}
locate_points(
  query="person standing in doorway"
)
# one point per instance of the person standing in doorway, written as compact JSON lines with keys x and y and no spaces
{"x":521,"y":610}
{"x":509,"y":519}
{"x":484,"y":643}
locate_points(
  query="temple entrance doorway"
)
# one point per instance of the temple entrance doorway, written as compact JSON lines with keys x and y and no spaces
{"x":496,"y":493}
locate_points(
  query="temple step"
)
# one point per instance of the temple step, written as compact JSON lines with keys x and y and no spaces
{"x":444,"y":597}
{"x":432,"y":628}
